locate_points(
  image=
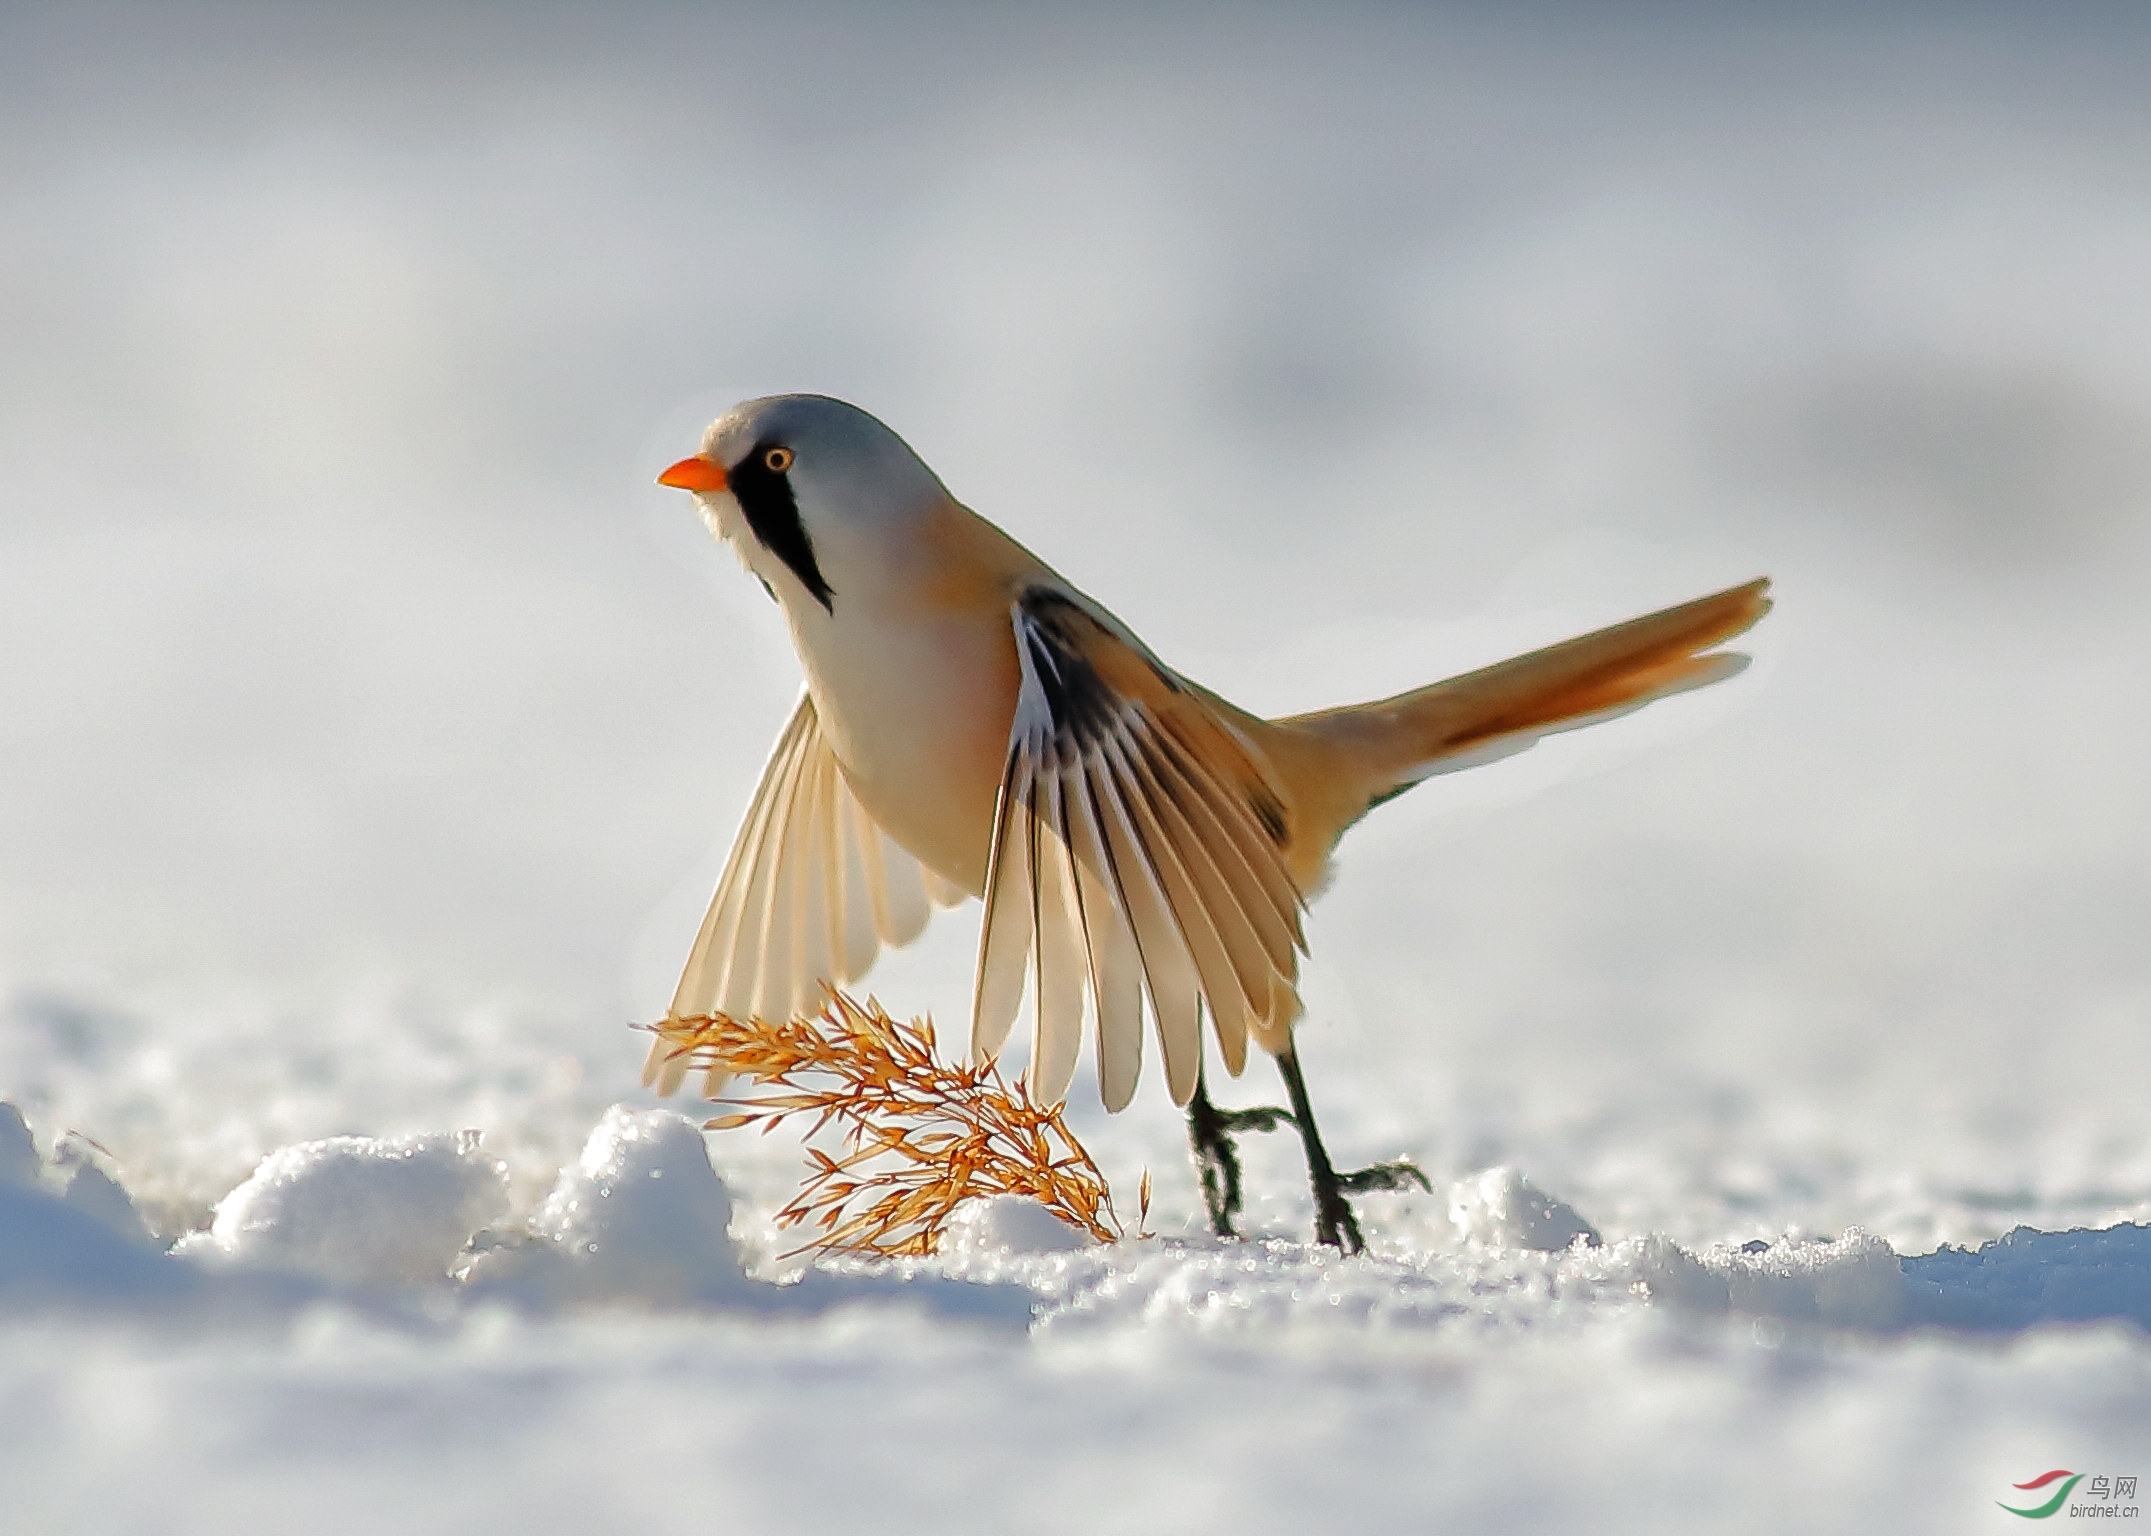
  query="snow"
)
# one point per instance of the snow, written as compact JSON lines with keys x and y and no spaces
{"x":515,"y":1334}
{"x":375,"y":729}
{"x":2027,"y":1277}
{"x":613,"y":1350}
{"x":608,"y":1360}
{"x":642,"y":1219}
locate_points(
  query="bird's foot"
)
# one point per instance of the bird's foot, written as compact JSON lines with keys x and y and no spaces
{"x":1210,"y":1135}
{"x":1334,"y":1222}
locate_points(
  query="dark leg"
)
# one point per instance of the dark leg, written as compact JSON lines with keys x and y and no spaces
{"x":1334,"y":1222}
{"x":1210,"y":1134}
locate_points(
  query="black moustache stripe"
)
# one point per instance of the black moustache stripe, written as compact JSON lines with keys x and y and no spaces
{"x":766,"y":498}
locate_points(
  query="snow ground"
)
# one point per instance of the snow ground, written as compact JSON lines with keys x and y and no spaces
{"x":373,"y":729}
{"x":362,"y":1332}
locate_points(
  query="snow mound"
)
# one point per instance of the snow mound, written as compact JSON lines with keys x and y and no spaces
{"x":81,"y":1242}
{"x":97,"y":1195}
{"x":643,"y":1219}
{"x":640,"y":1216}
{"x":359,"y":1211}
{"x":1852,"y":1282}
{"x":2029,"y":1277}
{"x":1009,"y":1224}
{"x":1500,"y":1208}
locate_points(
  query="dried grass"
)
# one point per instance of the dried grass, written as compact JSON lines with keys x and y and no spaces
{"x":918,"y":1136}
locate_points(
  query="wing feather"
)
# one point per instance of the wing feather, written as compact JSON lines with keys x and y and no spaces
{"x":1265,"y":890}
{"x":1165,"y":838}
{"x":1116,"y":964}
{"x":1006,"y":931}
{"x":770,"y":951}
{"x":802,"y":943}
{"x":1169,"y":976}
{"x":717,"y":956}
{"x":829,"y":855}
{"x":1207,"y":849}
{"x":904,"y":895}
{"x":1215,"y":838}
{"x":1060,"y":951}
{"x":858,"y":840}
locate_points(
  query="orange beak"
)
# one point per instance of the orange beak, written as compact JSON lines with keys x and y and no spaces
{"x":695,"y":474}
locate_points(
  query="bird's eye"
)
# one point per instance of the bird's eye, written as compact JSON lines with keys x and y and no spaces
{"x":777,"y":459}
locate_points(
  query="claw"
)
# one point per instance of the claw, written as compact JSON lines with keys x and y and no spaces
{"x":1397,"y":1175}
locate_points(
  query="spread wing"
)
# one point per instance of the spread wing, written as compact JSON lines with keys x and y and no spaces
{"x":1135,"y":854}
{"x":814,"y":888}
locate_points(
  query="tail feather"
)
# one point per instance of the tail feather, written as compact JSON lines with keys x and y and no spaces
{"x":1394,"y":743}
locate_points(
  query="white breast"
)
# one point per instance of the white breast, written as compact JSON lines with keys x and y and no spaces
{"x":917,"y":707}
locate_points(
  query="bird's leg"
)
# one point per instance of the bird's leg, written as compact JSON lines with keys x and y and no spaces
{"x":1210,"y":1136}
{"x":1334,"y":1222}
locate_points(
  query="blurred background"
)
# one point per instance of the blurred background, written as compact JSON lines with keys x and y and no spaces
{"x":374,"y":727}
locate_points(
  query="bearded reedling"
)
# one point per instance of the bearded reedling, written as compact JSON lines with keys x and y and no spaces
{"x":975,"y":726}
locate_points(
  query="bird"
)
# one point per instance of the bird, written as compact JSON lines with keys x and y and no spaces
{"x":975,"y":726}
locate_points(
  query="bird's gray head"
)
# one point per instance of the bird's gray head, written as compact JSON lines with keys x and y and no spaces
{"x":819,"y":487}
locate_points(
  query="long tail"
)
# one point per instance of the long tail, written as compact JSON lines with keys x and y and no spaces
{"x":1387,"y":746}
